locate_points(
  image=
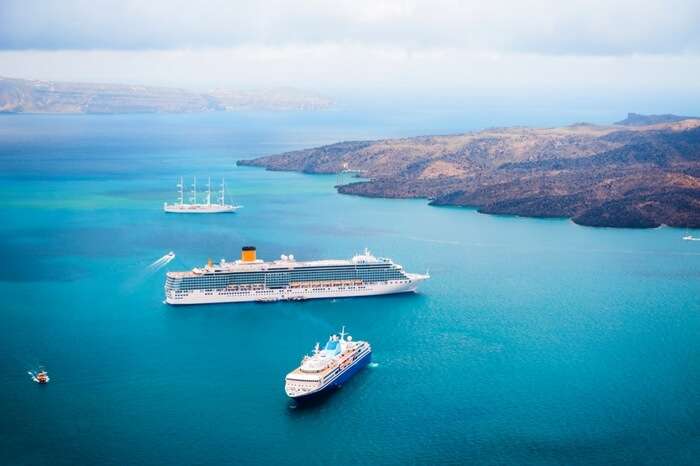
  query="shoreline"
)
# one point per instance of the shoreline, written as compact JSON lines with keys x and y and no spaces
{"x":478,"y":209}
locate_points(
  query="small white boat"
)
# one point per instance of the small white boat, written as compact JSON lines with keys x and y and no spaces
{"x":41,"y":377}
{"x":689,"y":237}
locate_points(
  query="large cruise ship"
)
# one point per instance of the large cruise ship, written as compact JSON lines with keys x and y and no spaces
{"x":328,"y":368}
{"x":251,"y":279}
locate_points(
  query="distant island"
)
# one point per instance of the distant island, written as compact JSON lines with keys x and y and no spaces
{"x":30,"y":96}
{"x":642,"y":172}
{"x":637,"y":119}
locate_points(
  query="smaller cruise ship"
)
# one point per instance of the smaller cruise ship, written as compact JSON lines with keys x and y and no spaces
{"x":194,"y":207}
{"x":328,"y":368}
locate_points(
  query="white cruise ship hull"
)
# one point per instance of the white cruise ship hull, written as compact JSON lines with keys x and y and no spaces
{"x":291,"y":294}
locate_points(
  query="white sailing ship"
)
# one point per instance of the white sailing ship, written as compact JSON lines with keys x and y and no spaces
{"x":194,"y":207}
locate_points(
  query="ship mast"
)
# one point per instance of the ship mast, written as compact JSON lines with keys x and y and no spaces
{"x":209,"y":191}
{"x":194,"y":191}
{"x":223,"y":192}
{"x":180,"y":185}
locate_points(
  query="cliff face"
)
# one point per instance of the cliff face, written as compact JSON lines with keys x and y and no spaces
{"x":24,"y":96}
{"x":617,"y":176}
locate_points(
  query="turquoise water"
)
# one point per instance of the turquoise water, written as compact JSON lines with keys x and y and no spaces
{"x":535,"y":341}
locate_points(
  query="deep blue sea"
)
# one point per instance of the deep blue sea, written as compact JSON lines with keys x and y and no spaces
{"x":535,"y":341}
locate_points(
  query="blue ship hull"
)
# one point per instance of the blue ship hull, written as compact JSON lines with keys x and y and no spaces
{"x":342,"y":378}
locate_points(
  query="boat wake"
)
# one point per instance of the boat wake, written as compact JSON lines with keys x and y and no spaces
{"x":373,"y":364}
{"x":436,"y":241}
{"x":162,"y":262}
{"x":148,"y":271}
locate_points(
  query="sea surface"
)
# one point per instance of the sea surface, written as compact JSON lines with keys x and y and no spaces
{"x":535,"y":341}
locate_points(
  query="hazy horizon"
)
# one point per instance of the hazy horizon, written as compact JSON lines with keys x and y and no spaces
{"x":631,"y":56}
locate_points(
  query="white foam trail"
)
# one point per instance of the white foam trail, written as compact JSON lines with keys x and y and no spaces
{"x":373,"y":364}
{"x":163,"y":261}
{"x":430,"y":240}
{"x":157,"y":263}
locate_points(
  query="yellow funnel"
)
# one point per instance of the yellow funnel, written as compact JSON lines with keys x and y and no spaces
{"x":248,"y":254}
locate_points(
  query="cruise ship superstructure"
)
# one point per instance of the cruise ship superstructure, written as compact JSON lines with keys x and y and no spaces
{"x":194,"y":207}
{"x":328,"y":368}
{"x":251,"y":279}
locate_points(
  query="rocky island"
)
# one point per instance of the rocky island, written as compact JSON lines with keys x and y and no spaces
{"x":642,"y":172}
{"x":30,"y":96}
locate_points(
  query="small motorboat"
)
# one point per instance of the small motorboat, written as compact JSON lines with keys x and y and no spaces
{"x":690,"y":238}
{"x":41,"y":377}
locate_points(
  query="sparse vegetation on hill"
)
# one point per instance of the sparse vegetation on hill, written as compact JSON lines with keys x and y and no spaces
{"x":619,"y":175}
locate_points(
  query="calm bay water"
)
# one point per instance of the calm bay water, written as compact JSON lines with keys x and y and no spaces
{"x":535,"y":341}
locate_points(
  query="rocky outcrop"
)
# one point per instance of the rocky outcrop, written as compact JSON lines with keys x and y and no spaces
{"x":615,"y":176}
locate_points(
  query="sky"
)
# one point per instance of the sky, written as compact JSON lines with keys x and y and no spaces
{"x":366,"y":47}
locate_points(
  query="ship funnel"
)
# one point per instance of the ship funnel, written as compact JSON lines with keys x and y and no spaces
{"x":248,"y":254}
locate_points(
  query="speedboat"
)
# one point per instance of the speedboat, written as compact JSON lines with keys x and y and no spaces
{"x":41,"y":377}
